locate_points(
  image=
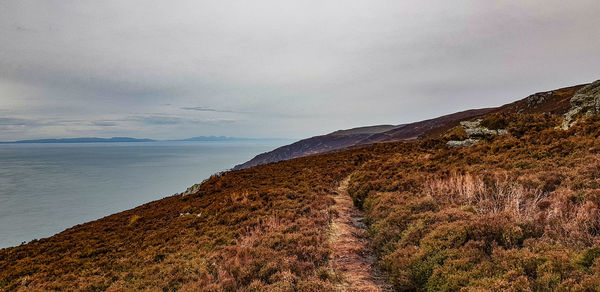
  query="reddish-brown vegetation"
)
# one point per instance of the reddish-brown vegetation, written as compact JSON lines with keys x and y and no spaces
{"x":519,"y":211}
{"x":555,"y":102}
{"x":264,"y":228}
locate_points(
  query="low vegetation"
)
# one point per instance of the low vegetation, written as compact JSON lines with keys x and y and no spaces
{"x":515,"y":212}
{"x":259,"y":229}
{"x":518,"y":212}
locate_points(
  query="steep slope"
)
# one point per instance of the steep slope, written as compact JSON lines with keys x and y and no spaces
{"x":416,"y":130}
{"x":263,"y":228}
{"x":359,"y":136}
{"x":318,"y":144}
{"x":554,"y":102}
{"x":515,"y":212}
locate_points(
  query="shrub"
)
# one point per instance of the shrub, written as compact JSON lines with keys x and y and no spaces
{"x":494,"y":122}
{"x":456,"y":133}
{"x":587,"y":258}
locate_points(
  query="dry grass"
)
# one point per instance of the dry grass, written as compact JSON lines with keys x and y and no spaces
{"x":500,"y":196}
{"x":561,"y":219}
{"x":259,"y":229}
{"x":517,"y":212}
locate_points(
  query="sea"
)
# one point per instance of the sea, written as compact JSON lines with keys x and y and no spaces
{"x":47,"y":188}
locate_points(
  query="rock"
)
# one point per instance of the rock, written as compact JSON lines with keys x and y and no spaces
{"x":538,"y":98}
{"x":464,"y":143}
{"x":474,"y":129}
{"x":191,"y":190}
{"x":584,"y":103}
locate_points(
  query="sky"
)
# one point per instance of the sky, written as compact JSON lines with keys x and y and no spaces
{"x":277,"y":68}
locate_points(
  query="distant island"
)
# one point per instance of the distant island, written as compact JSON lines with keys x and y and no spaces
{"x":129,"y":139}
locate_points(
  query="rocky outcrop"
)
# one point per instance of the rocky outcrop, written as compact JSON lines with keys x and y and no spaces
{"x":535,"y":100}
{"x":474,"y":131}
{"x":191,"y":190}
{"x":556,"y":102}
{"x":464,"y":143}
{"x":585,"y":102}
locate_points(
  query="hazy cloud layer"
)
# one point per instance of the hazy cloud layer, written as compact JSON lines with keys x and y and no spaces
{"x":205,"y":109}
{"x":172,"y":69}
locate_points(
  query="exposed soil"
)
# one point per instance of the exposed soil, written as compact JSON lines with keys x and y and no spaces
{"x":352,"y":258}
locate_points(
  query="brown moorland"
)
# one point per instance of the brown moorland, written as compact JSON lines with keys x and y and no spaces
{"x":554,"y":102}
{"x":255,"y":229}
{"x":516,"y":212}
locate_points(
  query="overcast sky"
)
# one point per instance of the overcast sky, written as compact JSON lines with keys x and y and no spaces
{"x":174,"y":69}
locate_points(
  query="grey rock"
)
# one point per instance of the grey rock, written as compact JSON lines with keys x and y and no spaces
{"x":474,"y":129}
{"x":584,"y":103}
{"x":502,"y":131}
{"x":538,"y":98}
{"x":191,"y":190}
{"x":464,"y":143}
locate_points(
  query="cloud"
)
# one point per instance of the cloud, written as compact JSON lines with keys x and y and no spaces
{"x":278,"y":68}
{"x":10,"y":121}
{"x":104,"y":124}
{"x":163,"y":120}
{"x":159,"y":120}
{"x":16,"y":122}
{"x":207,"y":109}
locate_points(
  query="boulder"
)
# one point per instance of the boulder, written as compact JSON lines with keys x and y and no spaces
{"x":584,"y":103}
{"x":192,"y":190}
{"x":474,"y":130}
{"x":464,"y":143}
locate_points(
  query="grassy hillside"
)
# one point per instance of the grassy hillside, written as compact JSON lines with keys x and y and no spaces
{"x":363,"y":136}
{"x":261,"y":228}
{"x":515,"y":212}
{"x":554,"y":102}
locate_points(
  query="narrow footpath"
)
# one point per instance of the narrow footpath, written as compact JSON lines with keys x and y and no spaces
{"x":351,"y":252}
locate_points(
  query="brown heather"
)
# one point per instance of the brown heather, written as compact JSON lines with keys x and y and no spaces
{"x":518,"y":212}
{"x":258,"y":229}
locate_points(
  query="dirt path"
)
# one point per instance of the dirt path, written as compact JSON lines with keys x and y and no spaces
{"x":351,"y":253}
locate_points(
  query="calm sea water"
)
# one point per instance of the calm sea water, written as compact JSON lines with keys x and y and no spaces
{"x":46,"y":188}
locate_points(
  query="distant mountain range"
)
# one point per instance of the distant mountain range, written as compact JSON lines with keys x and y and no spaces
{"x":129,"y":139}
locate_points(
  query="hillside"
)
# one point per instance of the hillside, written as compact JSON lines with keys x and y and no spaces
{"x":555,"y":101}
{"x":319,"y":144}
{"x":517,"y":211}
{"x":414,"y":131}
